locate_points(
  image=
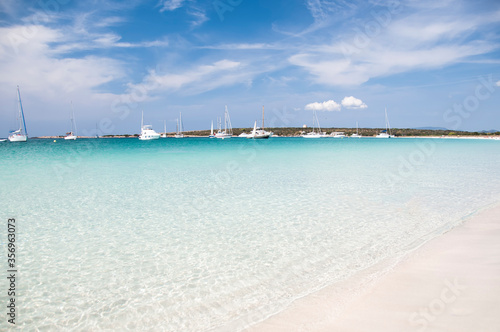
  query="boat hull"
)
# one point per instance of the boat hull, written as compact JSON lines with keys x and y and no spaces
{"x":148,"y":138}
{"x":18,"y":138}
{"x":148,"y":134}
{"x":223,"y":136}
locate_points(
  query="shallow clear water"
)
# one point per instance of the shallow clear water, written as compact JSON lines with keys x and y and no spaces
{"x":200,"y":234}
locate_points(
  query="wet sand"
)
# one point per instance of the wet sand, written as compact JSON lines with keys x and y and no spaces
{"x":451,"y":283}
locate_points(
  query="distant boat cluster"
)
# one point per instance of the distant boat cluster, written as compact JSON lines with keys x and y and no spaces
{"x":223,"y":131}
{"x":317,"y":133}
{"x":148,"y":133}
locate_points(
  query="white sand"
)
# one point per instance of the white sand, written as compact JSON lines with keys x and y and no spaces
{"x":452,"y":283}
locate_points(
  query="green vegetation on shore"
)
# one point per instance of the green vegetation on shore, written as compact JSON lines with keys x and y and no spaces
{"x":297,"y":131}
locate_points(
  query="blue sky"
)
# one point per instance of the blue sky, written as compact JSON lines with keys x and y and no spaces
{"x":431,"y":63}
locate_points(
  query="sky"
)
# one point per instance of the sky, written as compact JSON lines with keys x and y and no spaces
{"x":429,"y":63}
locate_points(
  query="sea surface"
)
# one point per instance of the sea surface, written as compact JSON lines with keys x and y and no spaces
{"x":201,"y":234}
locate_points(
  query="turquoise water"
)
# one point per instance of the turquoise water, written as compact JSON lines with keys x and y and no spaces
{"x":203,"y":234}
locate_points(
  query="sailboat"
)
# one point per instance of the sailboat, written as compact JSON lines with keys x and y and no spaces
{"x":336,"y":134}
{"x":72,"y":134}
{"x":228,"y":130}
{"x":147,"y":132}
{"x":313,"y":133}
{"x":164,"y":135}
{"x":260,"y":133}
{"x":212,"y":130}
{"x":387,"y":132}
{"x":178,"y":133}
{"x":357,"y":131}
{"x":20,"y":135}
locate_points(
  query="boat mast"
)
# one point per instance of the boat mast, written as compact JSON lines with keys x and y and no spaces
{"x":227,"y":123}
{"x":142,"y":120}
{"x":21,"y":117}
{"x":317,"y":121}
{"x":225,"y":120}
{"x":387,"y":125}
{"x":73,"y":122}
{"x":314,"y":114}
{"x":180,"y":123}
{"x":262,"y":117}
{"x":212,"y":128}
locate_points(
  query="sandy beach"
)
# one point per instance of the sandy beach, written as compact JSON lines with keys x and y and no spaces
{"x":451,"y":283}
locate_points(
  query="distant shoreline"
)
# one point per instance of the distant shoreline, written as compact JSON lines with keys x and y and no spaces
{"x":298,"y":131}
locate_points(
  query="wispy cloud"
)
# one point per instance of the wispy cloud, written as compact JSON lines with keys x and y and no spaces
{"x":195,"y":80}
{"x":245,"y":46}
{"x":192,"y":8}
{"x":109,"y":22}
{"x":419,"y":41}
{"x":170,"y":5}
{"x":323,"y":10}
{"x":199,"y":16}
{"x":32,"y":64}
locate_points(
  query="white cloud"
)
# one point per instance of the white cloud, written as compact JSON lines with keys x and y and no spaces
{"x":242,"y":46}
{"x":353,"y":103}
{"x":196,"y":80}
{"x":169,"y":5}
{"x":197,"y":12}
{"x":406,"y":43}
{"x":329,"y":105}
{"x":199,"y":16}
{"x":31,"y":62}
{"x":498,"y":83}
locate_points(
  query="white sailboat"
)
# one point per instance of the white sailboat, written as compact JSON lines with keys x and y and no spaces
{"x":178,"y":132}
{"x":20,"y":135}
{"x":315,"y":133}
{"x":164,"y":135}
{"x":260,"y":133}
{"x":357,"y":131}
{"x":212,"y":130}
{"x":71,"y":135}
{"x":387,"y":132}
{"x":147,"y":132}
{"x":337,"y":134}
{"x":228,"y":130}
